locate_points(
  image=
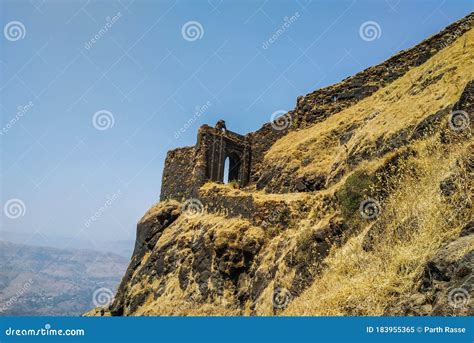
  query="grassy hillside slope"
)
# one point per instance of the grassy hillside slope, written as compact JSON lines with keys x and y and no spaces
{"x":388,"y":232}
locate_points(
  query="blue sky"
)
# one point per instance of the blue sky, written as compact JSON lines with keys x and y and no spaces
{"x":145,"y":78}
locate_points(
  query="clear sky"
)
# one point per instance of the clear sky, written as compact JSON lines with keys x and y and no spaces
{"x":87,"y":122}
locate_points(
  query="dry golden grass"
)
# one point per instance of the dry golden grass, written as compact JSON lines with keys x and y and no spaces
{"x":226,"y":233}
{"x":354,"y":281}
{"x":210,"y":185}
{"x":259,"y":196}
{"x":158,"y":207}
{"x":386,"y":112}
{"x":357,"y":282}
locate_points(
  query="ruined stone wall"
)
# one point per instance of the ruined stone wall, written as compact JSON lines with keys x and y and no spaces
{"x":178,"y":180}
{"x":217,"y":145}
{"x":187,"y":169}
{"x":186,"y":176}
{"x":261,"y":141}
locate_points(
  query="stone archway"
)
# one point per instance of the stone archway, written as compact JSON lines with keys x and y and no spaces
{"x":235,"y":164}
{"x":217,"y":147}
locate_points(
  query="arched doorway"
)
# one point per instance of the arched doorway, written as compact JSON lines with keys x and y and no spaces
{"x":226,"y":170}
{"x":232,"y":166}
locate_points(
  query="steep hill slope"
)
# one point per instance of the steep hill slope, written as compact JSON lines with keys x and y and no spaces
{"x":367,"y":211}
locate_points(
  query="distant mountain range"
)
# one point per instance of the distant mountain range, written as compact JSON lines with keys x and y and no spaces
{"x":119,"y":247}
{"x":49,"y":281}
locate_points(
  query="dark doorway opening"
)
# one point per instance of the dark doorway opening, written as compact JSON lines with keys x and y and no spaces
{"x":232,"y":166}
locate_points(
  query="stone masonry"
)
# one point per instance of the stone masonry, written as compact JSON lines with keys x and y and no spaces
{"x":187,"y":169}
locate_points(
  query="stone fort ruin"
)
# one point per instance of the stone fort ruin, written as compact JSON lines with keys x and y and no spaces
{"x":187,"y":169}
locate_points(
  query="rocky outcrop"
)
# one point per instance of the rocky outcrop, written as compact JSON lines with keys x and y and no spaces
{"x":206,"y":264}
{"x":187,"y":169}
{"x":149,"y":230}
{"x":259,"y":244}
{"x":214,"y":261}
{"x":447,"y":283}
{"x":320,"y":104}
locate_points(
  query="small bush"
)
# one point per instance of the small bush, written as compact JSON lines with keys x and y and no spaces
{"x":354,"y":191}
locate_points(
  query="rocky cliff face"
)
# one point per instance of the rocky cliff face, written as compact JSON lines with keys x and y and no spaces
{"x":363,"y":208}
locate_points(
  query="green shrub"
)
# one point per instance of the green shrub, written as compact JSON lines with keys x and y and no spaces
{"x":355,"y":190}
